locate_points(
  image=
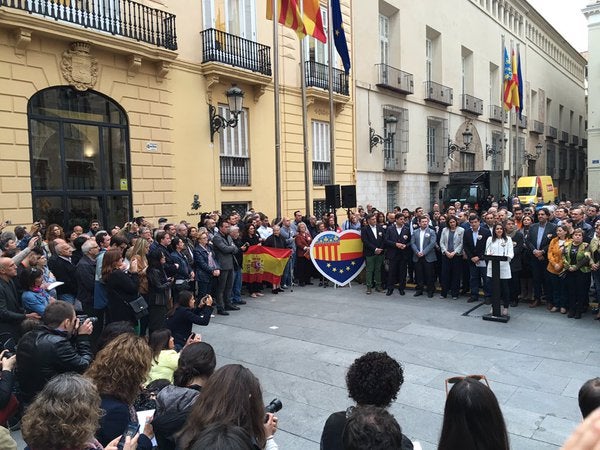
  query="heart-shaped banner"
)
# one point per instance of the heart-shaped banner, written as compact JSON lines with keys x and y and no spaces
{"x":338,"y":256}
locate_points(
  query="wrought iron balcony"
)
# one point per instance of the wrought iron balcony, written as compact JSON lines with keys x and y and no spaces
{"x":218,"y":46}
{"x":125,"y":18}
{"x":321,"y":173}
{"x":538,"y":127}
{"x":564,"y":137}
{"x":396,"y":80}
{"x":235,"y":171}
{"x":317,"y":75}
{"x":438,"y":93}
{"x":497,"y":113}
{"x":472,"y":105}
{"x":551,"y":132}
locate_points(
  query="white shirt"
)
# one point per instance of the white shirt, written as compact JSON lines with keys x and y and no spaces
{"x":374,"y":230}
{"x":499,"y":247}
{"x":264,"y":232}
{"x":421,"y":238}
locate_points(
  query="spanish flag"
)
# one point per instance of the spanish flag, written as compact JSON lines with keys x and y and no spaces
{"x":264,"y":264}
{"x":511,"y":82}
{"x":310,"y":24}
{"x":289,"y":15}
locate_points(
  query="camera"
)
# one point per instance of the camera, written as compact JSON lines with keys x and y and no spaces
{"x":273,"y":407}
{"x":82,"y":318}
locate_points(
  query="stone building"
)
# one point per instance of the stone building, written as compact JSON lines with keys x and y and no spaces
{"x":436,"y":68}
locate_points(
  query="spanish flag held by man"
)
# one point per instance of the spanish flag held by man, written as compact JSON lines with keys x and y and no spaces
{"x":309,"y":24}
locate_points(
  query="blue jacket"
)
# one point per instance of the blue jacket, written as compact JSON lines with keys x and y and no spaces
{"x":203,"y":271}
{"x":35,"y":301}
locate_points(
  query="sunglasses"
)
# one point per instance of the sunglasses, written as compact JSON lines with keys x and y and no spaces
{"x":454,"y":380}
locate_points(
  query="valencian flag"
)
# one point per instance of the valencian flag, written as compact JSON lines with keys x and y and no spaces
{"x":264,"y":264}
{"x":310,"y":24}
{"x":339,"y":36}
{"x":338,"y":256}
{"x":511,"y":82}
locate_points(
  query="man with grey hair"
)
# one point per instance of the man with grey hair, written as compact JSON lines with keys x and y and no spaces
{"x":85,"y":274}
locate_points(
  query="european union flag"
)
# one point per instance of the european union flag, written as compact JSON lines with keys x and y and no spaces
{"x":339,"y":37}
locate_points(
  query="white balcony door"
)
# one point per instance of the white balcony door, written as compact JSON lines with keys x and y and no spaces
{"x":235,"y":17}
{"x":384,"y":41}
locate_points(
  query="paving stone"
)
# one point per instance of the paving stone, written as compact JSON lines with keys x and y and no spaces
{"x":553,"y":430}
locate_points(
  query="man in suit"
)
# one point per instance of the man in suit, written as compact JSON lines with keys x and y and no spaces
{"x":225,"y":250}
{"x":538,"y":240}
{"x":11,"y":313}
{"x":373,"y":243}
{"x":474,"y":242}
{"x":397,"y":243}
{"x":423,"y":243}
{"x":64,"y":270}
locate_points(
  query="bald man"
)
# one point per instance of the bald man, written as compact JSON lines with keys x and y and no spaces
{"x":64,"y":270}
{"x":11,"y":313}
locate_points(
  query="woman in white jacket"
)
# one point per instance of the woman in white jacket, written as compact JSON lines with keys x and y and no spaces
{"x":499,"y":244}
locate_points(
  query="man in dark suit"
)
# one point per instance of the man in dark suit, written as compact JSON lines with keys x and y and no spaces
{"x":423,"y":243}
{"x":373,"y":243}
{"x":11,"y":313}
{"x":538,"y":240}
{"x":64,"y":270}
{"x":397,"y":243}
{"x":225,"y":250}
{"x":516,"y":263}
{"x":474,"y":248}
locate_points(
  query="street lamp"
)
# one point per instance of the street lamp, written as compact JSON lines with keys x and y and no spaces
{"x":491,"y":150}
{"x":391,"y":124}
{"x":235,"y":98}
{"x":467,"y":140}
{"x":538,"y":152}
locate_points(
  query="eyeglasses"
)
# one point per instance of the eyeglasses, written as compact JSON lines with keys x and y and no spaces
{"x":454,"y":380}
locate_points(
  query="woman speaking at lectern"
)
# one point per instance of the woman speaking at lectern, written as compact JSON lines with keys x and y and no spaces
{"x":499,"y":244}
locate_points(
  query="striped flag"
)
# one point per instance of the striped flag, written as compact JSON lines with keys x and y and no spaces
{"x":508,"y":80}
{"x":313,"y":21}
{"x":289,"y":15}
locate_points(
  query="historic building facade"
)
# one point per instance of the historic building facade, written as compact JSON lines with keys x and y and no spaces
{"x":105,"y":111}
{"x":592,"y":12}
{"x":428,"y":78}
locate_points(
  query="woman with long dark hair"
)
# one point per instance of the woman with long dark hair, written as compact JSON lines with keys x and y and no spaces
{"x":472,"y":419}
{"x":122,"y":286}
{"x":197,"y":362}
{"x":164,"y":356}
{"x":185,"y":313}
{"x":232,"y":396}
{"x":499,"y":244}
{"x":159,"y":291}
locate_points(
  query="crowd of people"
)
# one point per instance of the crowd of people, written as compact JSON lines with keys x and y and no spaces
{"x":105,"y":318}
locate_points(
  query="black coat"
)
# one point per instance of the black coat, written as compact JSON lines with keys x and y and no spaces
{"x":121,"y":288}
{"x":44,"y":353}
{"x":64,"y":271}
{"x":516,"y":264}
{"x":85,"y":273}
{"x":180,"y":323}
{"x":549,"y":234}
{"x":471,"y":249}
{"x":392,"y":238}
{"x":370,"y":243}
{"x":11,"y":313}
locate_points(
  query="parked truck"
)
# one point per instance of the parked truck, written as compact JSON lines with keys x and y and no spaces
{"x":473,"y":187}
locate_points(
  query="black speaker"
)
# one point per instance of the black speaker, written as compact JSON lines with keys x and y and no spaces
{"x":332,"y":196}
{"x":349,"y":196}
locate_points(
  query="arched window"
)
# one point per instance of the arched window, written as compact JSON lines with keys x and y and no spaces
{"x":79,"y":153}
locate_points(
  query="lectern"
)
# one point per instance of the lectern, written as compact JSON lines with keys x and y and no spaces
{"x":496,"y":315}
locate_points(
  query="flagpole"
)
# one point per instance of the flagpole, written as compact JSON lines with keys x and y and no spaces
{"x":510,"y":139}
{"x":276,"y":109}
{"x":331,"y":106}
{"x":517,"y":147}
{"x":304,"y":121}
{"x":502,"y":143}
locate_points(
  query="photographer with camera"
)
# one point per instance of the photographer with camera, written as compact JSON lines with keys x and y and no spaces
{"x":185,"y":314}
{"x":60,"y":345}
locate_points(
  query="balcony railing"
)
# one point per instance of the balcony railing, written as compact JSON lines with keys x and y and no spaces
{"x":438,"y":93}
{"x":235,"y":171}
{"x":235,"y":51}
{"x":317,"y":75}
{"x":394,"y":79}
{"x":538,"y":127}
{"x":497,"y":113}
{"x":522,"y":121}
{"x":119,"y":17}
{"x":564,"y":137}
{"x":472,"y":105}
{"x":321,"y":173}
{"x":551,"y":132}
{"x":435,"y":165}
